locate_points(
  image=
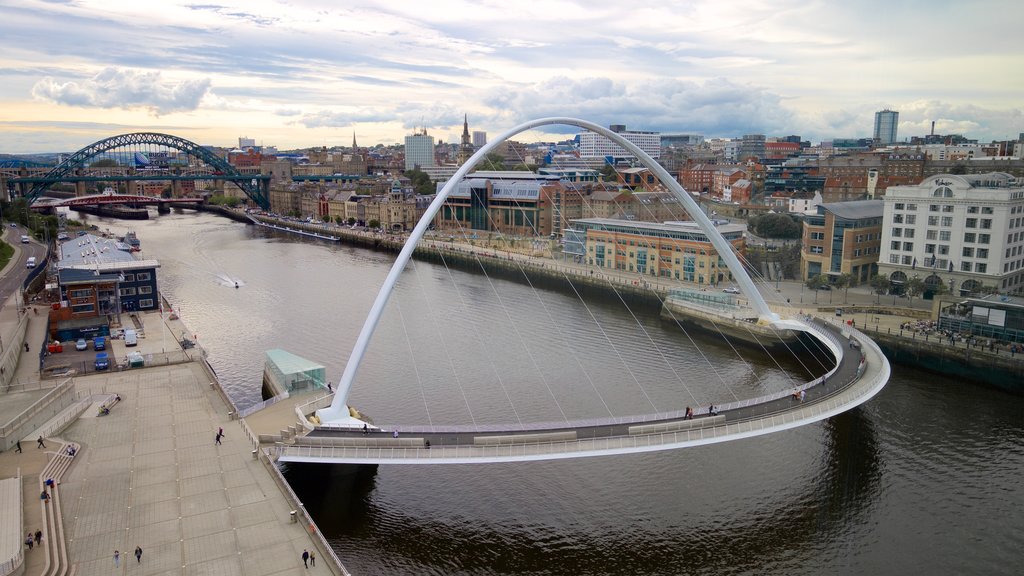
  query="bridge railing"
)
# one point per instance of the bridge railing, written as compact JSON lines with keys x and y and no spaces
{"x":243,"y":412}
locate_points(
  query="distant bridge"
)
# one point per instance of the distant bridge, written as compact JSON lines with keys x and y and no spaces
{"x":202,"y":164}
{"x":101,"y":199}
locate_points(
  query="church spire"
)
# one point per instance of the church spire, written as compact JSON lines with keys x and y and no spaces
{"x":354,"y":147}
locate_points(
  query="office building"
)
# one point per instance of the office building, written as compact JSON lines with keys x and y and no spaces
{"x":886,"y":122}
{"x":594,"y":145}
{"x":842,"y":238}
{"x":479,"y":138}
{"x":965,"y":232}
{"x":419,"y":150}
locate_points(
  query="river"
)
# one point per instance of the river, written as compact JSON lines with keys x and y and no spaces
{"x":924,"y":478}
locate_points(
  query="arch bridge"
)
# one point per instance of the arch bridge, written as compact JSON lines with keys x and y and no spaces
{"x":860,"y":372}
{"x":202,"y":165}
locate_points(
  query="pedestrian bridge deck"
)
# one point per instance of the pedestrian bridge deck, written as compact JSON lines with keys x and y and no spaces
{"x":860,"y":374}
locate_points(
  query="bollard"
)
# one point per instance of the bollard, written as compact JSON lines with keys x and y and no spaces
{"x":255,"y":454}
{"x":294,"y":517}
{"x":231,"y":415}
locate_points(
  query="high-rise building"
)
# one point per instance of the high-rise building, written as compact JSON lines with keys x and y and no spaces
{"x":479,"y":138}
{"x":886,"y":122}
{"x":419,"y":150}
{"x":752,"y":146}
{"x":245,"y":143}
{"x":594,"y":145}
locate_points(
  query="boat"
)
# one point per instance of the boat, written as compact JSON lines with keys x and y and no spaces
{"x":132,"y":241}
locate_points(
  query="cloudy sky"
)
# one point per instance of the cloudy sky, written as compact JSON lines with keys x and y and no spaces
{"x":296,"y":73}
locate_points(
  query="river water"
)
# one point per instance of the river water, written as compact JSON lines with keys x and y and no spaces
{"x":925,"y":478}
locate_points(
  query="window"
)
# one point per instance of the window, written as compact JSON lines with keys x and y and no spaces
{"x":983,"y":238}
{"x":986,"y":209}
{"x":814,"y":250}
{"x":971,"y":223}
{"x":933,"y":208}
{"x":929,"y":248}
{"x":911,"y":219}
{"x":81,"y":293}
{"x":81,"y":308}
{"x":907,"y":261}
{"x":129,"y":278}
{"x":145,"y":289}
{"x":965,"y":266}
{"x":894,"y":259}
{"x":897,"y":218}
{"x":897,"y":232}
{"x":944,"y":236}
{"x":986,"y":223}
{"x":968,"y":252}
{"x":898,"y":206}
{"x":972,"y":209}
{"x":947,"y":208}
{"x":908,"y":233}
{"x":908,"y":246}
{"x":142,"y":276}
{"x":981,"y":268}
{"x":146,"y":303}
{"x":127,"y":292}
{"x":931,"y":234}
{"x":947,"y":221}
{"x":982,"y":252}
{"x":969,"y":237}
{"x":943,"y":249}
{"x":911,"y":206}
{"x":933,"y":220}
{"x":894,"y":245}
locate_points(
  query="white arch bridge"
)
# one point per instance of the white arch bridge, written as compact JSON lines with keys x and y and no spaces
{"x":860,"y":372}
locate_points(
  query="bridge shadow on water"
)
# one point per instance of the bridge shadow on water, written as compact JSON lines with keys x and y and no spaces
{"x":785,"y":531}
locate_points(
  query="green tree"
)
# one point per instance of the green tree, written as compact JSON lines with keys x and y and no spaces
{"x":958,"y":168}
{"x":816,"y":282}
{"x":776,"y":226}
{"x":374,"y":224}
{"x":914,"y":287}
{"x":493,"y":161}
{"x":339,"y":220}
{"x":326,"y":218}
{"x":608,"y":173}
{"x":843,"y":282}
{"x":421,"y":181}
{"x":880,"y":285}
{"x":351,"y":221}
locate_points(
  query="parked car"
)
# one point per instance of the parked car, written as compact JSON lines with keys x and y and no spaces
{"x":81,"y":344}
{"x":99,"y":343}
{"x":102,"y":361}
{"x":731,"y":290}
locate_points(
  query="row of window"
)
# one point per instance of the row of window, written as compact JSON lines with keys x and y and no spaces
{"x":132,"y":291}
{"x":1011,"y":266}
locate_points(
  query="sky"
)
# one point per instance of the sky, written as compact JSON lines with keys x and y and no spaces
{"x":302,"y":73}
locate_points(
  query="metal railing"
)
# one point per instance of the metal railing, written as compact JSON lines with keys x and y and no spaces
{"x":243,"y":412}
{"x":11,"y":565}
{"x":65,"y":387}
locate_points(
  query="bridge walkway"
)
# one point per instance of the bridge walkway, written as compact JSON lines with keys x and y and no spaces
{"x":858,"y":376}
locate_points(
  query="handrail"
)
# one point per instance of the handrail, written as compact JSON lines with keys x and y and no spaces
{"x":37,"y":407}
{"x":243,"y":412}
{"x":11,"y":565}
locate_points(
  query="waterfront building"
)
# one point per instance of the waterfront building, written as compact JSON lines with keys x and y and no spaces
{"x":594,"y":145}
{"x":886,"y":123}
{"x":509,"y":202}
{"x":98,"y":278}
{"x":679,"y":250}
{"x":998,"y":317}
{"x":842,"y":238}
{"x":419,"y":150}
{"x":964,"y":231}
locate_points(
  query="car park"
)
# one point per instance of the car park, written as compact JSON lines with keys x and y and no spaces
{"x":81,"y":344}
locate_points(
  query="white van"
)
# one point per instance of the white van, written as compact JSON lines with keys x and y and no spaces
{"x":131,"y":338}
{"x":31,"y":262}
{"x":24,"y":239}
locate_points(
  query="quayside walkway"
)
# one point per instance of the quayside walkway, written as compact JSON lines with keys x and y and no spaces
{"x":861,"y":372}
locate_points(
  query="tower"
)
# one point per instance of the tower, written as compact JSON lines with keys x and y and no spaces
{"x":466,"y":148}
{"x":354,"y":147}
{"x":885,"y":126}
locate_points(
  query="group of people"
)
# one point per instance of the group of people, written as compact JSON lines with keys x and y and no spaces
{"x":117,"y":556}
{"x":33,"y":539}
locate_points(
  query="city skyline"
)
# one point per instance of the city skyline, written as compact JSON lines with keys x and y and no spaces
{"x":308,"y":73}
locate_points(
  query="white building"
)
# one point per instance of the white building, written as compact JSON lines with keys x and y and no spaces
{"x":804,"y":205}
{"x":594,"y":145}
{"x":966,"y":232}
{"x":419,"y":150}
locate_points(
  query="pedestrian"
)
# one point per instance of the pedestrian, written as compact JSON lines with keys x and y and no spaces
{"x":305,"y":558}
{"x":28,"y":540}
{"x":45,"y":497}
{"x":312,"y":559}
{"x":17,"y":446}
{"x":26,"y":346}
{"x":39,"y":536}
{"x":117,"y":559}
{"x":329,"y":387}
{"x":365,"y":429}
{"x":39,"y":443}
{"x":220,"y":432}
{"x":394,"y":434}
{"x":216,"y":439}
{"x":138,"y":554}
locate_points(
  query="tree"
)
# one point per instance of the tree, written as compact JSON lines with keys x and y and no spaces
{"x":421,"y":181}
{"x":608,"y":173}
{"x":880,"y":285}
{"x":351,"y":221}
{"x":339,"y":220}
{"x":775,"y":226}
{"x":914,"y":287}
{"x":958,"y":168}
{"x":816,"y":282}
{"x":843,"y":282}
{"x":493,"y":161}
{"x":374,"y":224}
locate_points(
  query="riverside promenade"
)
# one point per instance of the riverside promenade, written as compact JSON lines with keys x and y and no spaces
{"x":148,"y":474}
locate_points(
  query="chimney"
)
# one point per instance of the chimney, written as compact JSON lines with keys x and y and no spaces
{"x":933,"y":127}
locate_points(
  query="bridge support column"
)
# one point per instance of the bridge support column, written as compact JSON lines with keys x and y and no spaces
{"x":176,"y":189}
{"x":80,"y":188}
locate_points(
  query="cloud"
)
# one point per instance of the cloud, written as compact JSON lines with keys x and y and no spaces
{"x":287,"y":112}
{"x":715,"y":107}
{"x":125,"y":88}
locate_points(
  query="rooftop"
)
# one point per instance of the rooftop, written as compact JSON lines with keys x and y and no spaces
{"x":98,"y":253}
{"x":855,"y":210}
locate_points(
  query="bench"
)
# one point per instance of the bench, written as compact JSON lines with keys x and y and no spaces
{"x":561,"y":436}
{"x":676,"y":425}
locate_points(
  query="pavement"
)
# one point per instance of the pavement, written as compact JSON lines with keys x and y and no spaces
{"x":150,"y":474}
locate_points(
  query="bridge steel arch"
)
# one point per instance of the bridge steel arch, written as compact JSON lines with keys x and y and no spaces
{"x":338,"y":412}
{"x":77,"y":160}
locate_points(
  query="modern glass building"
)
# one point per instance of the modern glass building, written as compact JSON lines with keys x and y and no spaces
{"x":885,"y":126}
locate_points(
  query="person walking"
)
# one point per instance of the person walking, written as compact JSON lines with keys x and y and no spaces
{"x":117,"y":559}
{"x":216,"y":439}
{"x":28,"y":540}
{"x":138,"y":554}
{"x":39,"y":537}
{"x":17,"y":446}
{"x":305,"y":558}
{"x":40,"y":443}
{"x":312,"y":559}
